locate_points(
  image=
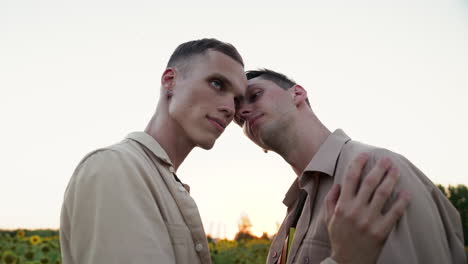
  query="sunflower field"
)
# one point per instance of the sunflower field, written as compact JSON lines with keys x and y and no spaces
{"x":43,"y":247}
{"x":29,"y":247}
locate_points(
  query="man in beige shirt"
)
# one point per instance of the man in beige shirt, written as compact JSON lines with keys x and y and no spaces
{"x":277,"y":116}
{"x":125,"y":203}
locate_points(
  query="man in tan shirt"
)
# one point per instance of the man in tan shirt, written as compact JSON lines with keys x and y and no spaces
{"x":125,"y":203}
{"x":276,"y":115}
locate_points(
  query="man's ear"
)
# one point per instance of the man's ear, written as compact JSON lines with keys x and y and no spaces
{"x":299,"y":94}
{"x":168,"y":80}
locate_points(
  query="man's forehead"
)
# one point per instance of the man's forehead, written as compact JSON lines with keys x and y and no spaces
{"x":238,"y":83}
{"x":258,"y":82}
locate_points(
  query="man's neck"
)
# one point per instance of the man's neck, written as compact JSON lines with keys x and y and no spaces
{"x":168,"y":135}
{"x":305,"y":139}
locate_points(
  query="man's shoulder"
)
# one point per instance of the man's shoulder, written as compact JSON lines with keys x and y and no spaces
{"x":112,"y":162}
{"x":352,"y":148}
{"x":101,"y":156}
{"x":412,"y":175}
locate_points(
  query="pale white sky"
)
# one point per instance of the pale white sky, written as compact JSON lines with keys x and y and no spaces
{"x":78,"y":75}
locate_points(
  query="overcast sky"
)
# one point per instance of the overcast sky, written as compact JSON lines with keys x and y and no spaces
{"x":79,"y":75}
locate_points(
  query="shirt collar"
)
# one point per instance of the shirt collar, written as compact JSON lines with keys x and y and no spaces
{"x":323,"y":161}
{"x":151,"y":143}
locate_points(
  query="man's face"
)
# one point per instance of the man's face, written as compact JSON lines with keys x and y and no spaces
{"x":203,"y":101}
{"x":265,"y":111}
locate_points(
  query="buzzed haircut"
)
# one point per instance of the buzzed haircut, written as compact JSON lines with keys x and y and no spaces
{"x":279,"y":79}
{"x":180,"y":58}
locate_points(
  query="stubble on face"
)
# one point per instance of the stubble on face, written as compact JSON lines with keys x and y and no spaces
{"x":274,"y":135}
{"x":275,"y":105}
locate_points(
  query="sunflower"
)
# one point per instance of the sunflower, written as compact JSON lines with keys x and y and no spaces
{"x":29,"y":255}
{"x":45,"y":249}
{"x":9,"y":257}
{"x":20,"y":233}
{"x":34,"y":240}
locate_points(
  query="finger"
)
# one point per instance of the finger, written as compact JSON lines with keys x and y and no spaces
{"x":372,"y":180}
{"x":395,"y":213}
{"x":384,"y":191}
{"x":330,"y":202}
{"x":351,"y":177}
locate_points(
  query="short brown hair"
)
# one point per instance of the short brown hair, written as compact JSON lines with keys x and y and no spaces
{"x":279,"y":79}
{"x":187,"y":50}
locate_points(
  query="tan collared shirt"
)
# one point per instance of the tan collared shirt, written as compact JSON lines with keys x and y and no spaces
{"x":430,"y":231}
{"x":124,"y":205}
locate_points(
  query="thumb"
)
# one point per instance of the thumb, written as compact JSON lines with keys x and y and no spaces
{"x":331,"y":200}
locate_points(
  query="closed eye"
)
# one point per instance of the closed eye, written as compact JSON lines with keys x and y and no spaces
{"x":254,"y":96}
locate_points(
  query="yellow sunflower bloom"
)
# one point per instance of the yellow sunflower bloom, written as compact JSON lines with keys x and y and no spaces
{"x":34,"y":240}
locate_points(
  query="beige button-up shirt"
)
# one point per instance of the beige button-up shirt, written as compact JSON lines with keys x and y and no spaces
{"x":430,"y":231}
{"x":124,"y":205}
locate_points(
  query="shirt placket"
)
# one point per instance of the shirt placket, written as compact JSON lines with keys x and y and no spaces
{"x":305,"y":219}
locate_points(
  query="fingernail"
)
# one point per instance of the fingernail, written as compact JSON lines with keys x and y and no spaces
{"x":363,"y":156}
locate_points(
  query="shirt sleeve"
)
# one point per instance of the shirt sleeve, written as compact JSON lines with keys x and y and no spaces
{"x":110,"y":216}
{"x":430,"y":230}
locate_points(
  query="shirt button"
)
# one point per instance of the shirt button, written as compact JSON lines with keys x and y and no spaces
{"x":171,"y":169}
{"x":198,"y":247}
{"x":181,"y":188}
{"x":275,"y":254}
{"x":306,"y":260}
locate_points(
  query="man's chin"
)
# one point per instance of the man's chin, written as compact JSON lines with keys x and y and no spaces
{"x":206,"y":145}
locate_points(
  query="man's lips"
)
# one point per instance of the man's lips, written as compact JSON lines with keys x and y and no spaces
{"x":253,"y":121}
{"x":219,"y":124}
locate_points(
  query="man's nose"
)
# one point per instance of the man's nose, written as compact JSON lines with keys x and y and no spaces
{"x":227,"y":110}
{"x":244,"y":111}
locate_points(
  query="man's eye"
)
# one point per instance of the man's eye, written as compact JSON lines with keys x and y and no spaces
{"x":254,"y":96}
{"x":217,"y":84}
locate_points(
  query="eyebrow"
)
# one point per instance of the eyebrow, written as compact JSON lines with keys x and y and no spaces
{"x":223,"y":78}
{"x":253,"y":86}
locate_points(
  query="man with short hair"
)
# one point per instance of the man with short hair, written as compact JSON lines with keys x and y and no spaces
{"x":125,"y":203}
{"x":276,"y":115}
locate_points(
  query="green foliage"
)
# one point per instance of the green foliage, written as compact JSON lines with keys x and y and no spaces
{"x":28,"y":233}
{"x":458,"y":196}
{"x":244,"y":249}
{"x":16,"y":247}
{"x":253,"y":251}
